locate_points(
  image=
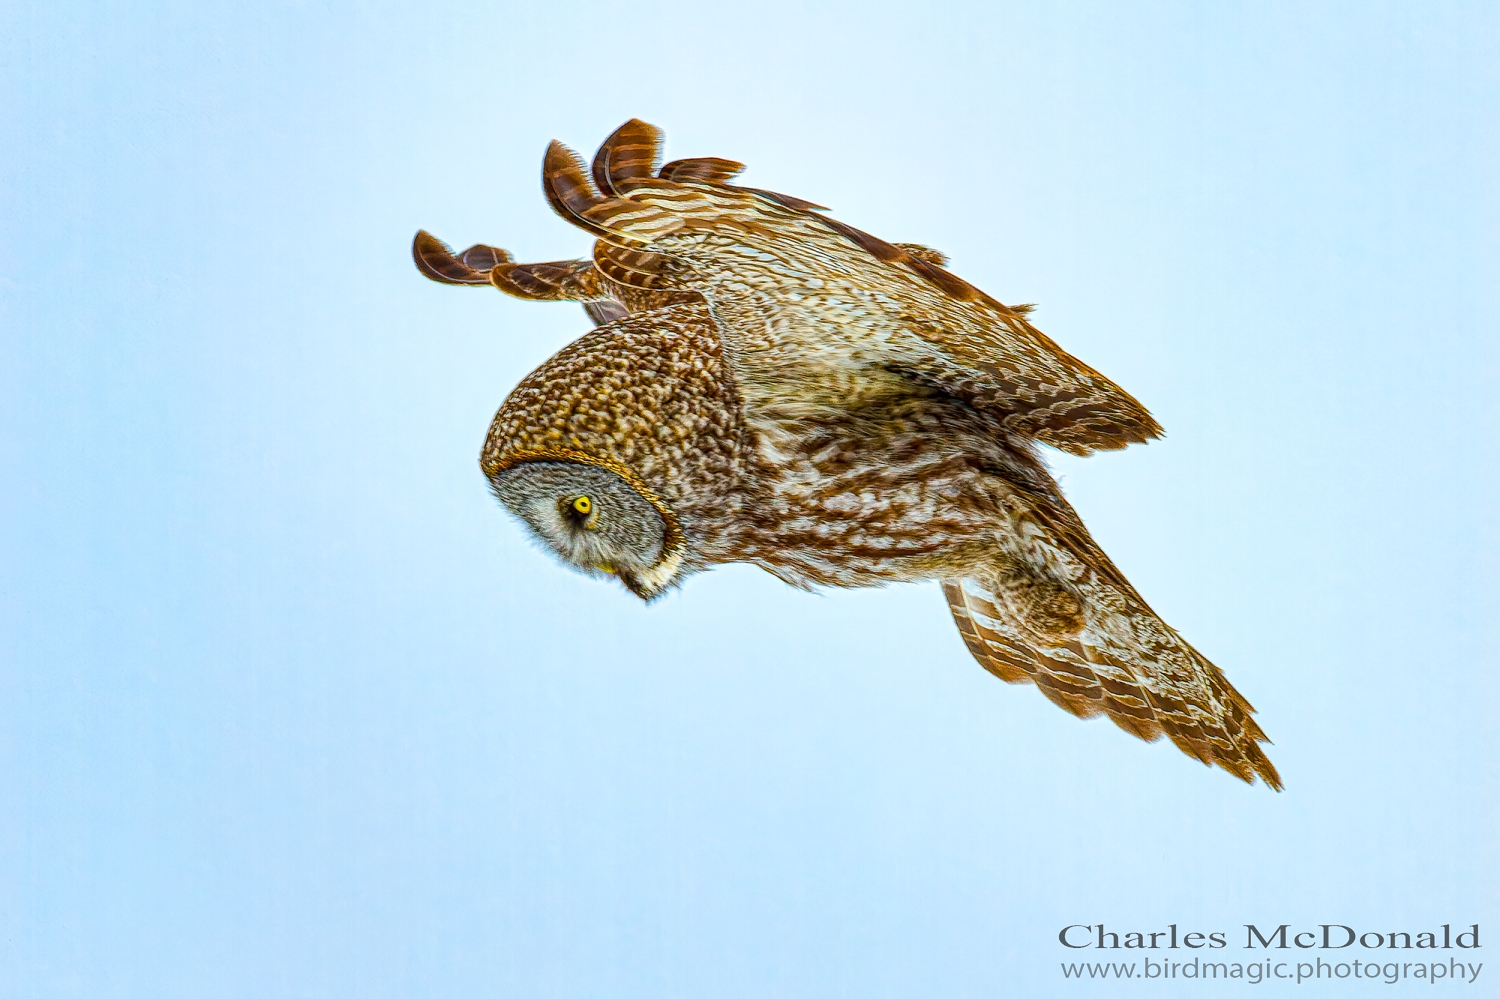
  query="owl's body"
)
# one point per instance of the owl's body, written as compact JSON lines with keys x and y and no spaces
{"x":773,"y":387}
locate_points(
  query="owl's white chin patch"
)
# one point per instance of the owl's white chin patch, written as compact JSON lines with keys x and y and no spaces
{"x":654,"y":579}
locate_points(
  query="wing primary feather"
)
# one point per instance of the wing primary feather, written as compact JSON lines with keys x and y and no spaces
{"x":483,"y":258}
{"x":632,"y":152}
{"x":600,"y":170}
{"x":436,"y":261}
{"x":556,"y":281}
{"x":568,"y":190}
{"x":701,"y":170}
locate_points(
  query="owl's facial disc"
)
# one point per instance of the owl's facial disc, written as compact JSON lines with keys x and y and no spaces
{"x":593,"y":519}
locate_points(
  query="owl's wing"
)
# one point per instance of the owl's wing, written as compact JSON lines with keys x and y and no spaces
{"x":771,"y":266}
{"x":556,"y":281}
{"x":581,"y":281}
{"x":1127,"y":664}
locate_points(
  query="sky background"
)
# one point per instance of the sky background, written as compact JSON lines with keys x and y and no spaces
{"x":289,"y":707}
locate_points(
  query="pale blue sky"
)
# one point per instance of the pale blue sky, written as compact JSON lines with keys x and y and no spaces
{"x":288,"y":707}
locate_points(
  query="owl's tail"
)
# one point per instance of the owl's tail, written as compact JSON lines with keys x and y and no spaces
{"x":1125,"y":663}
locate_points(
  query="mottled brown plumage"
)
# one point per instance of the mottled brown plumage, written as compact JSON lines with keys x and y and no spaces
{"x":785,"y":390}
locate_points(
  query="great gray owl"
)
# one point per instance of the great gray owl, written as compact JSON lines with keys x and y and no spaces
{"x":771,"y":386}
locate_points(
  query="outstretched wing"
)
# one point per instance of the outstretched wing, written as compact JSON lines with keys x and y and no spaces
{"x":1126,"y":664}
{"x":791,"y":287}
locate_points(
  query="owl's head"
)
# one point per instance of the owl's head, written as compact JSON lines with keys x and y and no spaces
{"x":597,"y":520}
{"x":624,"y":437}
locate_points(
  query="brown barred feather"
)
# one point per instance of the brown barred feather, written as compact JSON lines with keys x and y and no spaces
{"x":484,"y":258}
{"x":701,"y":170}
{"x":436,"y":261}
{"x":634,"y":268}
{"x":632,"y":152}
{"x":999,"y":653}
{"x":557,"y":281}
{"x":568,"y":188}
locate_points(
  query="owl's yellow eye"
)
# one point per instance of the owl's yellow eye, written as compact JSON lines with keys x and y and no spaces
{"x":583,"y":505}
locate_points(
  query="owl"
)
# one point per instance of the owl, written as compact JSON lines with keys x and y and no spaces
{"x":772,"y":386}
